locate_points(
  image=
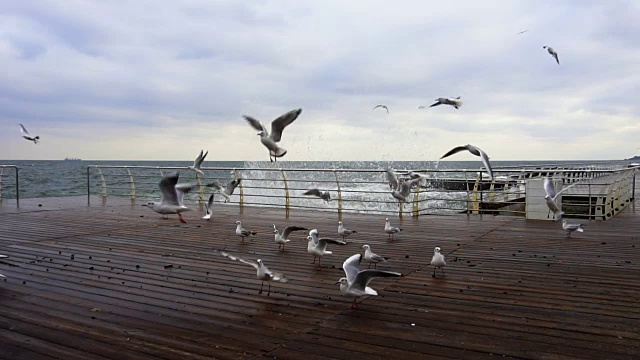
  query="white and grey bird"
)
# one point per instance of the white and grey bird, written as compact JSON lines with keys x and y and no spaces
{"x":208,"y":208}
{"x":282,"y":239}
{"x":26,"y":135}
{"x":522,"y":32}
{"x":391,"y":230}
{"x":570,"y":228}
{"x":172,"y":197}
{"x":277,"y":126}
{"x":324,"y":195}
{"x":343,"y":231}
{"x":372,"y":257}
{"x":381,"y":106}
{"x":317,"y":246}
{"x":550,"y":198}
{"x":3,"y":257}
{"x":475,"y":151}
{"x":197,"y":163}
{"x":438,"y":261}
{"x":392,"y":178}
{"x":404,"y":189}
{"x":456,"y":103}
{"x":242,"y":232}
{"x":356,"y":282}
{"x":552,"y":53}
{"x":415,"y":175}
{"x":228,"y":190}
{"x":262,"y":272}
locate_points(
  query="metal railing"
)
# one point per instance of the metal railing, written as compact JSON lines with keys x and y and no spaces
{"x":443,"y":191}
{"x":16,"y":181}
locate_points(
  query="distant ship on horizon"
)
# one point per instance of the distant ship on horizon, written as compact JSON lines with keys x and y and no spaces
{"x":72,"y":159}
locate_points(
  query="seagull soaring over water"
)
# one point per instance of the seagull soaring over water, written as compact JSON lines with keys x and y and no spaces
{"x":381,"y":106}
{"x":198,"y":163}
{"x":277,"y":126}
{"x":262,"y":272}
{"x":456,"y":103}
{"x":552,"y":52}
{"x":356,"y":282}
{"x":26,"y":135}
{"x":324,"y":195}
{"x":172,"y":197}
{"x":475,"y":151}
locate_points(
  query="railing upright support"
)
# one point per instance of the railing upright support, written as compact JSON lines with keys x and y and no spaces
{"x":104,"y":187}
{"x":286,"y":194}
{"x":17,"y":187}
{"x":339,"y":195}
{"x":133,"y":187}
{"x":200,"y":192}
{"x":88,"y":186}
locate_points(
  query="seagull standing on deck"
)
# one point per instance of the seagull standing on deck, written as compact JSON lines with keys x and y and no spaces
{"x":438,"y":261}
{"x":262,"y":272}
{"x":552,"y":53}
{"x":197,"y":163}
{"x":282,"y":239}
{"x":456,"y":103}
{"x":26,"y":135}
{"x":356,"y":282}
{"x":277,"y":126}
{"x":172,"y":197}
{"x":372,"y":257}
{"x":475,"y":151}
{"x":569,"y":228}
{"x":391,"y":230}
{"x":343,"y":231}
{"x":243,"y":233}
{"x":381,"y":106}
{"x":318,"y":246}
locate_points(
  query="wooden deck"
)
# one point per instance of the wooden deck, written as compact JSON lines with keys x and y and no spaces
{"x":94,"y":283}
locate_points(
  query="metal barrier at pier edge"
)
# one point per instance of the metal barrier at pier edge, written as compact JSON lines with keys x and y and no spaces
{"x":16,"y":178}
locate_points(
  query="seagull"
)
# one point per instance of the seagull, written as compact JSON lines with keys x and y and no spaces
{"x":318,"y":246}
{"x":522,"y":32}
{"x":208,"y":208}
{"x":228,"y":190}
{"x":356,"y":283}
{"x":198,"y":163}
{"x":415,"y":175}
{"x":550,"y":198}
{"x":282,"y":239}
{"x":277,"y":126}
{"x":243,"y":233}
{"x":26,"y":135}
{"x":391,"y":230}
{"x":404,"y":189}
{"x":475,"y":151}
{"x":552,"y":52}
{"x":372,"y":257}
{"x":569,"y":228}
{"x":437,"y":261}
{"x":172,"y":197}
{"x":456,"y":103}
{"x":344,"y":232}
{"x":324,"y":195}
{"x":3,"y":257}
{"x":392,"y":178}
{"x":381,"y":106}
{"x":262,"y":272}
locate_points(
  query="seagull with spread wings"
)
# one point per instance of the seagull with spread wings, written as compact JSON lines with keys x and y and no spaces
{"x":198,"y":163}
{"x":356,"y":282}
{"x":324,"y":195}
{"x":381,"y":106}
{"x":475,"y":151}
{"x":262,"y":272}
{"x":277,"y":126}
{"x":26,"y":135}
{"x":317,"y":246}
{"x":227,"y":190}
{"x":172,"y":197}
{"x":552,"y":52}
{"x":282,"y":239}
{"x":456,"y":103}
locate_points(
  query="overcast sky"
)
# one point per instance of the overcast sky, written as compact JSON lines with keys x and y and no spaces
{"x":152,"y":80}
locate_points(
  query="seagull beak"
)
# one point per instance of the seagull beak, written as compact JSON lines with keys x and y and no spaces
{"x":145,"y":205}
{"x":337,"y":282}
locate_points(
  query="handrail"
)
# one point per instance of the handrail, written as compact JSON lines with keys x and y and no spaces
{"x":17,"y":182}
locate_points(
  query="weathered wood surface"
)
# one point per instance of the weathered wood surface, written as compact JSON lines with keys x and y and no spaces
{"x":91,"y":283}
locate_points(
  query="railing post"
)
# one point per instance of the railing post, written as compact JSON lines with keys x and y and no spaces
{"x":133,"y":187}
{"x":17,"y":187}
{"x":241,"y":203}
{"x":286,"y":194}
{"x":1,"y":172}
{"x":200,"y":192}
{"x":88,"y":187}
{"x":416,"y":201}
{"x":104,"y":186}
{"x":339,"y":195}
{"x":466,"y":182}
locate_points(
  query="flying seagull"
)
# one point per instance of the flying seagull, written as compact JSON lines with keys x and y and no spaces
{"x":391,"y":230}
{"x":569,"y":228}
{"x":404,"y":189}
{"x":282,"y":239}
{"x":26,"y":135}
{"x":262,"y":272}
{"x":198,"y":163}
{"x":381,"y":106}
{"x":277,"y":126}
{"x":208,"y":208}
{"x":372,"y":257}
{"x":552,"y":52}
{"x":356,"y":282}
{"x":475,"y":151}
{"x":456,"y":103}
{"x":343,"y":231}
{"x":172,"y":197}
{"x":324,"y":195}
{"x":392,"y":178}
{"x":242,"y":232}
{"x":522,"y":32}
{"x":227,"y":191}
{"x":438,"y":261}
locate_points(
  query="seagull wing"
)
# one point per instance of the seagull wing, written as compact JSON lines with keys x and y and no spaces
{"x":278,"y":125}
{"x":363,"y":278}
{"x":255,"y":123}
{"x":209,"y":204}
{"x":549,"y":188}
{"x":24,"y":131}
{"x":235,"y":258}
{"x":182,"y":189}
{"x":313,"y":192}
{"x":289,"y":229}
{"x":350,"y":267}
{"x":232,"y":185}
{"x":455,"y":150}
{"x":485,"y":161}
{"x":168,"y":189}
{"x":438,"y":102}
{"x":392,"y":178}
{"x":323,"y":242}
{"x":200,"y":159}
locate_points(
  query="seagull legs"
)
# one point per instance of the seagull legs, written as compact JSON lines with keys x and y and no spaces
{"x":260,"y":292}
{"x":314,"y":259}
{"x":181,"y":219}
{"x":269,"y":291}
{"x":354,"y":304}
